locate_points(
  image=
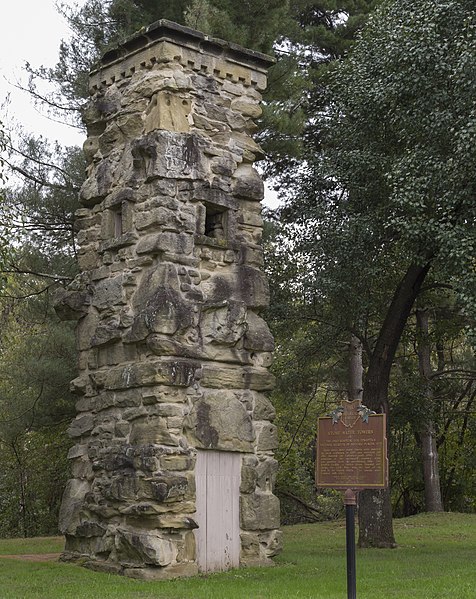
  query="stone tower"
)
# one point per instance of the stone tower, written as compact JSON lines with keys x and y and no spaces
{"x":172,"y":465}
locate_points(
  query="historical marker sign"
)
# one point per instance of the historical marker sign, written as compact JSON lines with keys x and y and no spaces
{"x":351,"y":455}
{"x":352,"y":449}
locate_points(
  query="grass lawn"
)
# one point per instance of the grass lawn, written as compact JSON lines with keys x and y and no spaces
{"x":436,"y":558}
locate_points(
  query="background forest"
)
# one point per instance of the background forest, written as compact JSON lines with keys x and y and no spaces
{"x":369,"y":128}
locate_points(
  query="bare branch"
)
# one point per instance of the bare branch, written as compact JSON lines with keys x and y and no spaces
{"x":43,"y":275}
{"x":41,"y":162}
{"x":41,"y":182}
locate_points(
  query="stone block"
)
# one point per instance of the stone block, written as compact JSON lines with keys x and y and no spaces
{"x":168,"y":111}
{"x":71,"y":304}
{"x":89,"y":528}
{"x":266,"y":436}
{"x":170,"y":155}
{"x":108,"y":293}
{"x":106,"y":332}
{"x":247,"y":107}
{"x":263,"y":409}
{"x":81,"y":425}
{"x":220,"y":376}
{"x":258,"y":336}
{"x":180,"y":373}
{"x":152,"y":430}
{"x":271,"y":543}
{"x":249,"y":478}
{"x":224,"y":325}
{"x":188,"y":549}
{"x":249,"y":546}
{"x":166,"y":488}
{"x":259,"y":511}
{"x":144,"y":548}
{"x":77,"y":451}
{"x":172,"y":243}
{"x":266,"y":474}
{"x":220,"y":421}
{"x":176,"y":462}
{"x":243,"y":284}
{"x":73,"y":500}
{"x":164,"y":345}
{"x":247,"y":183}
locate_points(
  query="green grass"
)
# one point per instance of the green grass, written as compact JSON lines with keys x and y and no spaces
{"x":436,"y":558}
{"x":31,"y":546}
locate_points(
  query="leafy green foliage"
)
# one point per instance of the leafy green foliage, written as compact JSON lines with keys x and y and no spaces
{"x":34,"y":472}
{"x":252,"y":24}
{"x":387,"y":187}
{"x":404,"y":154}
{"x":37,"y":352}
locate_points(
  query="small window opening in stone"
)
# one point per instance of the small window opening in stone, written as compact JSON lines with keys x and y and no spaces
{"x":117,"y":223}
{"x":215,"y":225}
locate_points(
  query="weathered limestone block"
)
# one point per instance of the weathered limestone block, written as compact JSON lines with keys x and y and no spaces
{"x":168,"y":111}
{"x":249,"y":474}
{"x":258,"y":336}
{"x":247,"y":107}
{"x":247,"y":183}
{"x":145,"y":548}
{"x":81,"y":425}
{"x":263,"y":409}
{"x":179,"y":373}
{"x":169,"y":154}
{"x":271,"y":543}
{"x":173,"y":355}
{"x":152,"y":430}
{"x":165,"y":242}
{"x":266,"y":472}
{"x":224,"y":325}
{"x":220,"y":421}
{"x":107,"y":331}
{"x":259,"y":511}
{"x":243,"y":284}
{"x":69,"y":516}
{"x":71,"y":305}
{"x":231,"y":377}
{"x":266,"y":435}
{"x":108,"y":292}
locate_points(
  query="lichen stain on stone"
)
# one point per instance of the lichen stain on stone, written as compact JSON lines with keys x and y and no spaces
{"x":205,"y":432}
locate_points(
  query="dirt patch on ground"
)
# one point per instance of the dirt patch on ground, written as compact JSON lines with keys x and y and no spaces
{"x":34,"y":557}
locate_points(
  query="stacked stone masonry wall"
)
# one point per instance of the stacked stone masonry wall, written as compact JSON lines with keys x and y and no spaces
{"x":173,"y":352}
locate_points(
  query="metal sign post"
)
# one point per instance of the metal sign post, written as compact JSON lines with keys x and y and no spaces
{"x":351,"y":456}
{"x":350,"y":502}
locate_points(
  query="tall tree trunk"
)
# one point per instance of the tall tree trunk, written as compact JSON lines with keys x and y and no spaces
{"x":355,"y":369}
{"x":429,"y":451}
{"x":375,"y":508}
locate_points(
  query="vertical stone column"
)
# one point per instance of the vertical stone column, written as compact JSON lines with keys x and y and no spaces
{"x":173,"y":352}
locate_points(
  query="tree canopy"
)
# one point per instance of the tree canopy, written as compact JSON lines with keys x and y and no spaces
{"x":387,"y":204}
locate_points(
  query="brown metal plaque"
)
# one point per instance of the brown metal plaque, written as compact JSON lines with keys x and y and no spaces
{"x":352,"y":453}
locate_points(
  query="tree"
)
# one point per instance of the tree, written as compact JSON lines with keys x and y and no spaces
{"x":40,"y":212}
{"x":391,"y":195}
{"x":37,"y":352}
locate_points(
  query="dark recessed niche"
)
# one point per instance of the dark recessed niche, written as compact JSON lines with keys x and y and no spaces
{"x":215,"y":222}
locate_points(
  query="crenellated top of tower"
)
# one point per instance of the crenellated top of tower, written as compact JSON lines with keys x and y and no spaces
{"x":165,"y":41}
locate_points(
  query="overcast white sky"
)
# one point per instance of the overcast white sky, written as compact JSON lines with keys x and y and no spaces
{"x":31,"y":30}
